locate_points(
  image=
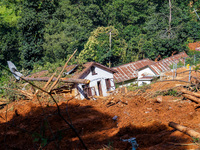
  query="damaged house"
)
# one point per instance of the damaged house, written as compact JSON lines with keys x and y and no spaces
{"x":100,"y":77}
{"x":144,"y":71}
{"x":153,"y":70}
{"x":127,"y":73}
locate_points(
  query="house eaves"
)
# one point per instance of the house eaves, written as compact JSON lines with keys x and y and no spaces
{"x":88,"y":65}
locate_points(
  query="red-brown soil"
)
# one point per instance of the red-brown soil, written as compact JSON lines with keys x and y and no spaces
{"x":26,"y":124}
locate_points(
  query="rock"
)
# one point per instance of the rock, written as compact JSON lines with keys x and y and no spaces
{"x":159,"y":99}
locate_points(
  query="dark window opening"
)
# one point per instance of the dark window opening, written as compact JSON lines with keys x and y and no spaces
{"x":99,"y":88}
{"x":93,"y":70}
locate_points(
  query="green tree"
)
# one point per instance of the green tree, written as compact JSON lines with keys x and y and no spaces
{"x":129,"y":17}
{"x":9,"y":16}
{"x":65,"y":34}
{"x":98,"y":47}
{"x":169,"y":35}
{"x":35,"y":15}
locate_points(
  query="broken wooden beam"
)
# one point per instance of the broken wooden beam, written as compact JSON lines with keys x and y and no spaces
{"x":66,"y":80}
{"x":193,"y":98}
{"x":56,"y":81}
{"x":35,"y":95}
{"x":190,"y":93}
{"x":185,"y":130}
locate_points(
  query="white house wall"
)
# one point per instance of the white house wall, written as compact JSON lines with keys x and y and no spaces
{"x":101,"y":75}
{"x":146,"y":71}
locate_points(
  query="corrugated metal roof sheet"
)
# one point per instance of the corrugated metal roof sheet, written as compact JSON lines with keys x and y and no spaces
{"x":128,"y":71}
{"x":164,"y":65}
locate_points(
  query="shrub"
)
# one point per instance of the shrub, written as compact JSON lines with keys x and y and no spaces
{"x":171,"y":93}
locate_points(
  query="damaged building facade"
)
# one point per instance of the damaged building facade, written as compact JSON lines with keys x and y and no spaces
{"x":82,"y":81}
{"x":101,"y":80}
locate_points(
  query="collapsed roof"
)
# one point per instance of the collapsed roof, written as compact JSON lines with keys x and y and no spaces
{"x":71,"y":72}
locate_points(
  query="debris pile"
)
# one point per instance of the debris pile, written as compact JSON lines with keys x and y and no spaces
{"x":154,"y":117}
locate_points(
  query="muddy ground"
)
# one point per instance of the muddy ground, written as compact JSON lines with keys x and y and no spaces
{"x":143,"y":114}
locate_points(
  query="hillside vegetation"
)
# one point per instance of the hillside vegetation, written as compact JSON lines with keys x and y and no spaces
{"x":39,"y":32}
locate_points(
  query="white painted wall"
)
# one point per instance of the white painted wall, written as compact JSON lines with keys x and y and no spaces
{"x":146,"y":71}
{"x":100,"y":76}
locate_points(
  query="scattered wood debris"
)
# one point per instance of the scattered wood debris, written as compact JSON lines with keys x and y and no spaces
{"x":115,"y":101}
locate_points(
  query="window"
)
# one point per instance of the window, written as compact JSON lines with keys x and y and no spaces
{"x":93,"y":70}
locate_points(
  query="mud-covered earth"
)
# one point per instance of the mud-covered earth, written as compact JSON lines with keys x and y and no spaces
{"x":104,"y":122}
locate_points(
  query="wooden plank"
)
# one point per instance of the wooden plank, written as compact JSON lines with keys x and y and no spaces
{"x":45,"y":86}
{"x":66,"y":80}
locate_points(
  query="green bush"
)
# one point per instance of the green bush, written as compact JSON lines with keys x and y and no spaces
{"x":8,"y":85}
{"x":171,"y":93}
{"x":4,"y":80}
{"x":134,"y":87}
{"x":180,"y":64}
{"x":51,"y":67}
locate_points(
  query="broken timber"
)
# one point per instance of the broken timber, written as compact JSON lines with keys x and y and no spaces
{"x":185,"y":130}
{"x":28,"y":95}
{"x":56,"y":81}
{"x":193,"y":98}
{"x":35,"y":95}
{"x":191,"y":95}
{"x":66,"y":80}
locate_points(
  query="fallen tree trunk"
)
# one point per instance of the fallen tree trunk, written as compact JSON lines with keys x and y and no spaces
{"x":67,"y":80}
{"x":185,"y":130}
{"x":193,"y":98}
{"x":190,"y":93}
{"x":56,"y":81}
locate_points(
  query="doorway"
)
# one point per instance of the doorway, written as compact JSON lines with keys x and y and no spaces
{"x":99,"y":88}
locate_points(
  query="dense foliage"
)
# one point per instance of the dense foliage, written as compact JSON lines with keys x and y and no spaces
{"x":39,"y":32}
